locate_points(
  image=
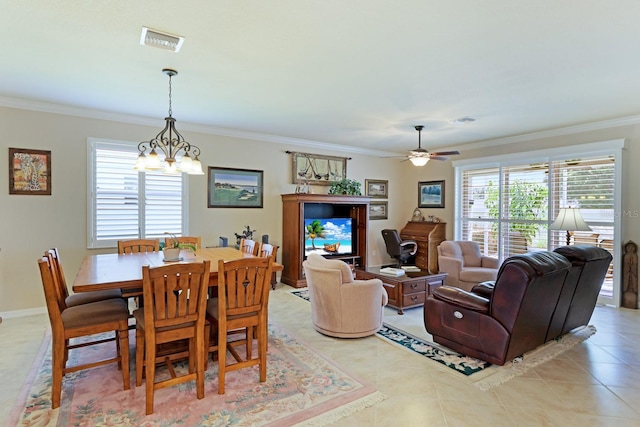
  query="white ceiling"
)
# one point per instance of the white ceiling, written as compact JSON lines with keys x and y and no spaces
{"x":357,"y":73}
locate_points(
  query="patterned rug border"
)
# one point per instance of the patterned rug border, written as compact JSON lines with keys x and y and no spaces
{"x":481,"y":374}
{"x":320,"y":415}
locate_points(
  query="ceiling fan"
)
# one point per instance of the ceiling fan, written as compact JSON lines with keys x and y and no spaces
{"x":420,"y":156}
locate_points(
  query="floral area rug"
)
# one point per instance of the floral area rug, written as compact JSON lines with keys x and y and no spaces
{"x":478,"y":372}
{"x":302,"y":388}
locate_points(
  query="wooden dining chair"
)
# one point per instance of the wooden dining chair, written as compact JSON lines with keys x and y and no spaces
{"x":82,"y":321}
{"x":81,"y":298}
{"x":249,"y":246}
{"x":241,"y":307}
{"x":194,"y":241}
{"x":175,"y":307}
{"x":267,"y":250}
{"x":134,"y":246}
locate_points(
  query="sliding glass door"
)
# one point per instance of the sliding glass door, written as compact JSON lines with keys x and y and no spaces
{"x":507,"y":205}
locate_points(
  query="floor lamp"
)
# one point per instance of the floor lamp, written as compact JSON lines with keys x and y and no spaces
{"x":570,"y":219}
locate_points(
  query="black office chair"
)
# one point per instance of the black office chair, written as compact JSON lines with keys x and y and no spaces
{"x":401,"y":250}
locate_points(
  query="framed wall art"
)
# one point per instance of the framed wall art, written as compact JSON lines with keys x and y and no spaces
{"x":317,"y":169}
{"x":29,"y":171}
{"x":431,"y":194}
{"x":376,"y":188}
{"x":234,"y":188}
{"x":378,"y":210}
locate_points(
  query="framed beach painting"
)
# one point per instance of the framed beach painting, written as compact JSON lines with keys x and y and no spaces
{"x":431,"y":194}
{"x":29,"y":172}
{"x":376,"y":188}
{"x":235,"y":188}
{"x":378,"y":210}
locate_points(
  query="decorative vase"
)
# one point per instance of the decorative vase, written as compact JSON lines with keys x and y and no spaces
{"x":171,"y":253}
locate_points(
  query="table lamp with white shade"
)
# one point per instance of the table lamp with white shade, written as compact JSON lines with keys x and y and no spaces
{"x":569,"y":219}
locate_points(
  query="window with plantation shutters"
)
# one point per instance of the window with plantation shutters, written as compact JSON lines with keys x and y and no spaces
{"x":506,"y":205}
{"x":127,"y":204}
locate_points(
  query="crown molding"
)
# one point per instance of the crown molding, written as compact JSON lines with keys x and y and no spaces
{"x":47,"y":107}
{"x":568,"y":130}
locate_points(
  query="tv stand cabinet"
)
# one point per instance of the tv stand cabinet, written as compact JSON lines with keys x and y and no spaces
{"x":294,"y":207}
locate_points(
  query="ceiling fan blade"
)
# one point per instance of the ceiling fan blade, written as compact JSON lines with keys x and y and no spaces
{"x":445,"y":153}
{"x":437,"y":158}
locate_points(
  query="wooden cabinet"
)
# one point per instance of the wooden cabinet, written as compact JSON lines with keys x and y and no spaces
{"x":428,"y":235}
{"x":297,"y":207}
{"x":408,"y":291}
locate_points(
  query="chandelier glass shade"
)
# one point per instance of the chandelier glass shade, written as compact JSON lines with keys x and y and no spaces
{"x":179,"y":155}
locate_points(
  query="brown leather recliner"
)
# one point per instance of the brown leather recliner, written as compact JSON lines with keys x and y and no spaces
{"x":507,"y":322}
{"x":589,"y":265}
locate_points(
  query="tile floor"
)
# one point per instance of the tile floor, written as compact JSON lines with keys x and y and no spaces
{"x":597,"y":383}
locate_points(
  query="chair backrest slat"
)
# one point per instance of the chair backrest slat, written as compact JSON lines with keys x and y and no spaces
{"x":138,"y":245}
{"x":249,"y":246}
{"x":243,"y":285}
{"x":175,"y":293}
{"x":55,"y":304}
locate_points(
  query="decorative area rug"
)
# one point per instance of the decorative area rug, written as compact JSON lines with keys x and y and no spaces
{"x":480,"y":373}
{"x":302,"y":388}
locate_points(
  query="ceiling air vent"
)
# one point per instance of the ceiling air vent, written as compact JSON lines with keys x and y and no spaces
{"x":155,"y":38}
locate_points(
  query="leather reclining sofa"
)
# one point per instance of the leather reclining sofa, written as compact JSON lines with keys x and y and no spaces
{"x":536,"y":297}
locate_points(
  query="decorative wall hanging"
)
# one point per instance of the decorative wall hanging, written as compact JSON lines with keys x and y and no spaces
{"x":316,"y":169}
{"x":29,"y":171}
{"x":376,"y":188}
{"x":378,"y":210}
{"x":431,"y":194}
{"x":234,"y":188}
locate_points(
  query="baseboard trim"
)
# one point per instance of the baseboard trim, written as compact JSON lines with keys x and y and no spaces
{"x":22,"y":313}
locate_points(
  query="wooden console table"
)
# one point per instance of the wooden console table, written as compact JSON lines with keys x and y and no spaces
{"x":428,"y":235}
{"x":408,"y":291}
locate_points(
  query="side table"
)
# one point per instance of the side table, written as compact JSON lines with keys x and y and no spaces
{"x":408,"y":291}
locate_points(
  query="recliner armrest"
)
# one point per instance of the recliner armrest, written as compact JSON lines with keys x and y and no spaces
{"x":461,"y":298}
{"x":484,"y":289}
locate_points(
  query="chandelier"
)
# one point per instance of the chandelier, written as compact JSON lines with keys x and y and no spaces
{"x":172,"y":144}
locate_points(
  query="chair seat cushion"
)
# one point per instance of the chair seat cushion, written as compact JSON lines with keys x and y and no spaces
{"x":212,"y":311}
{"x":89,"y":297}
{"x":138,"y":314}
{"x":478,"y":274}
{"x":95,"y":313}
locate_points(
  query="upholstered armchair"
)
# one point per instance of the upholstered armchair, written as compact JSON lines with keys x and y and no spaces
{"x":465,"y":265}
{"x":341,"y":306}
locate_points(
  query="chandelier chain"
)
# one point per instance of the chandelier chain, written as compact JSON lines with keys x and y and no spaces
{"x":170,"y":111}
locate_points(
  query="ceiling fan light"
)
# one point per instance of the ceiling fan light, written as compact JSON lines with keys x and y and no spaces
{"x":419,"y":161}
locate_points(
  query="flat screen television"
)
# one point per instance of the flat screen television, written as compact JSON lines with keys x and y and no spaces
{"x":328,"y":236}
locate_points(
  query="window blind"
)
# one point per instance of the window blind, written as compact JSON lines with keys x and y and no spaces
{"x":127,"y":204}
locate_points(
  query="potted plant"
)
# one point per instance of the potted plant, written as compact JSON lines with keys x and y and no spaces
{"x":173,"y":247}
{"x":345,"y":186}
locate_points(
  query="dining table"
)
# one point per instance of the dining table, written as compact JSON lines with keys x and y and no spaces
{"x":124,"y":271}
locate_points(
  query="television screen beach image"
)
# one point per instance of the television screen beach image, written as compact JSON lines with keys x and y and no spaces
{"x":328,"y":235}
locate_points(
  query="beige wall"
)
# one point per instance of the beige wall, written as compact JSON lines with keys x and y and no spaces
{"x":32,"y":224}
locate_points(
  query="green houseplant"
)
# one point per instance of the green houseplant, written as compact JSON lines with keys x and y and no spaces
{"x":345,"y":186}
{"x":172,"y":247}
